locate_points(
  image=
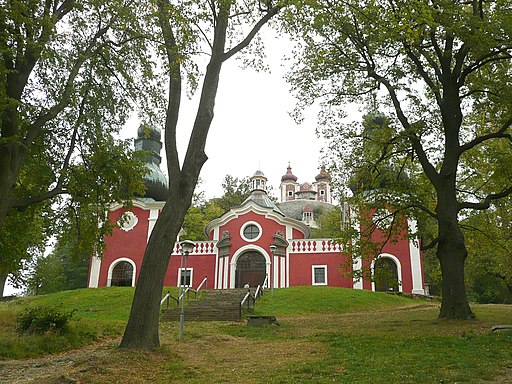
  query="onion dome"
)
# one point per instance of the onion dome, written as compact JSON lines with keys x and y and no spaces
{"x":146,"y":131}
{"x":289,"y":175}
{"x":148,"y":139}
{"x":323,"y":175}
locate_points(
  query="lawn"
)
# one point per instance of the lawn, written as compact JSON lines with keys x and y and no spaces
{"x":325,"y":335}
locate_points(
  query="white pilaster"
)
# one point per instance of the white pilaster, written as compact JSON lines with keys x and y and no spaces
{"x":357,"y":267}
{"x":414,"y":251}
{"x":94,"y":277}
{"x":153,"y":216}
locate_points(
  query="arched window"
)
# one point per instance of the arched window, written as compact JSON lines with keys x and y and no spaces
{"x":122,"y":274}
{"x":385,"y":275}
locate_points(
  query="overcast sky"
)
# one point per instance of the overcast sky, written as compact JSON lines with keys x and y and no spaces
{"x":252,"y":128}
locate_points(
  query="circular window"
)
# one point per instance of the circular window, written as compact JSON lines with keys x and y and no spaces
{"x":251,"y":232}
{"x":127,"y":221}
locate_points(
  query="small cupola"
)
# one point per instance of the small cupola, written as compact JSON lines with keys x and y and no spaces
{"x":259,"y":181}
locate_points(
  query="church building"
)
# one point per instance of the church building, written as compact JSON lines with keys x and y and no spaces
{"x":257,"y":241}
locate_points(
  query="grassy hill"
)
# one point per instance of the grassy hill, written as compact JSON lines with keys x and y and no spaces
{"x":325,"y":335}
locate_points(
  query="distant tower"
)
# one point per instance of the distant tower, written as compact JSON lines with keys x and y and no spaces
{"x":148,"y":139}
{"x":322,"y":186}
{"x":288,"y":185}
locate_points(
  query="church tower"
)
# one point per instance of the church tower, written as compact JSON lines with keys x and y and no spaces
{"x":322,"y":186}
{"x":288,"y":185}
{"x":149,"y":140}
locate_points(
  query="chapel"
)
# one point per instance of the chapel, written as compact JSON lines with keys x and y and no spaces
{"x":257,"y":242}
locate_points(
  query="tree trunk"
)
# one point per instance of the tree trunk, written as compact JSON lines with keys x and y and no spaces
{"x":3,"y":280}
{"x":452,"y":252}
{"x":142,"y":328}
{"x":9,"y":169}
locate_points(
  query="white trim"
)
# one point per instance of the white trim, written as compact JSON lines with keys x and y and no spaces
{"x":324,"y":267}
{"x":353,"y":220}
{"x":238,"y":253}
{"x":247,"y":224}
{"x":117,"y":261}
{"x":415,"y":255}
{"x":95,"y":268}
{"x":226,"y":271}
{"x":282,"y":269}
{"x":153,"y":217}
{"x":398,"y":269}
{"x":218,"y":272}
{"x":140,"y":204}
{"x":357,"y":266}
{"x":180,"y":270}
{"x":268,"y":213}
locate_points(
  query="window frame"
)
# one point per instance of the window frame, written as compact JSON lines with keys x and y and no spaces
{"x":181,"y":276}
{"x":245,"y":226}
{"x":313,"y":280}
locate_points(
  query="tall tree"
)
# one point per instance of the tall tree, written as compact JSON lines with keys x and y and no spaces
{"x":443,"y":70}
{"x":182,"y":25}
{"x":69,"y":73}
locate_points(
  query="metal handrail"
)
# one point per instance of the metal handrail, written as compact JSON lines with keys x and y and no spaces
{"x":168,"y":296}
{"x":259,"y":291}
{"x":265,"y":282}
{"x":247,"y":295}
{"x":165,"y":298}
{"x":205,"y":280}
{"x":180,"y":297}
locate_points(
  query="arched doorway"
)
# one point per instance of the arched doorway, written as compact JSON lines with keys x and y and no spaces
{"x":250,"y":269}
{"x":385,"y":275}
{"x":122,"y":274}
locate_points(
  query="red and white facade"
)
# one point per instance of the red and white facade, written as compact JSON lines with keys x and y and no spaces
{"x":239,"y":251}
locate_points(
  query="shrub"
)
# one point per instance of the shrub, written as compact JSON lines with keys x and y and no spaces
{"x":39,"y":320}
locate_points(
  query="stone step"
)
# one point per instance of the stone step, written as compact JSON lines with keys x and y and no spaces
{"x":214,"y":305}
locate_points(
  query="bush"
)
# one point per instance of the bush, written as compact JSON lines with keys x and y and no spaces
{"x":39,"y":320}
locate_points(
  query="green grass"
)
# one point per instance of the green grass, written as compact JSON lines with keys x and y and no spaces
{"x":325,"y":335}
{"x":98,"y":314}
{"x":309,"y":300}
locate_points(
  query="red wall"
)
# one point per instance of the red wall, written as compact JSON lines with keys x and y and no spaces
{"x":203,"y":265}
{"x":130,"y":244}
{"x":301,"y":269}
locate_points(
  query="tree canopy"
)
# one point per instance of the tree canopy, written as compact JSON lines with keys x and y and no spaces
{"x":441,"y":71}
{"x":70,"y":72}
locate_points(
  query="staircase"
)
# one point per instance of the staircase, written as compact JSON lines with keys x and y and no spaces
{"x":215,"y":305}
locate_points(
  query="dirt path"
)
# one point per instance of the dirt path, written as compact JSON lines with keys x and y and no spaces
{"x":55,"y":369}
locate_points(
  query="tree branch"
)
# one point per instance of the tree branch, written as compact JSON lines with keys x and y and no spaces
{"x":250,"y":36}
{"x":486,"y":203}
{"x":500,"y":134}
